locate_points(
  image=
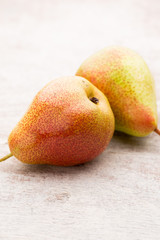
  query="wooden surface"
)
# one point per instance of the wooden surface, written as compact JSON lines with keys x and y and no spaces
{"x":116,"y":196}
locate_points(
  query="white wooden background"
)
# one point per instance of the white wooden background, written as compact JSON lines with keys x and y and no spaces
{"x":114,"y":197}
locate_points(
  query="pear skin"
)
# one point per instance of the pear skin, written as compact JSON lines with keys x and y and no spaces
{"x":69,"y":122}
{"x":124,"y":77}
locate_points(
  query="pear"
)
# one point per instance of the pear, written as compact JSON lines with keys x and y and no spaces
{"x":124,"y":77}
{"x":69,"y":122}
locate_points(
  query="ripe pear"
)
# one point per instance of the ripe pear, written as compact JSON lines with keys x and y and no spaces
{"x":124,"y":77}
{"x":69,"y":122}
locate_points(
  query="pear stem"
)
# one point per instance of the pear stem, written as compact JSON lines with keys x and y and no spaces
{"x":157,"y":131}
{"x":6,"y":157}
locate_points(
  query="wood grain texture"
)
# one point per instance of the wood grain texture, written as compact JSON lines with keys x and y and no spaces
{"x":116,"y":196}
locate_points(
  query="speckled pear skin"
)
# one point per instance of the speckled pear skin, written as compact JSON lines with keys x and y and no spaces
{"x":62,"y":125}
{"x":123,"y":76}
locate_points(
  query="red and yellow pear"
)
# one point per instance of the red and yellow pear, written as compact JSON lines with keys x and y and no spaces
{"x":124,"y":77}
{"x":69,"y":122}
